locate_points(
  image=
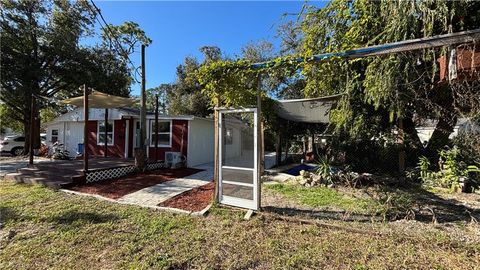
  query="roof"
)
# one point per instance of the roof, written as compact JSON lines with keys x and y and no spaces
{"x":96,"y":114}
{"x":308,"y":110}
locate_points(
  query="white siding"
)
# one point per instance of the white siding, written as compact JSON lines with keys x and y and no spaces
{"x":73,"y":136}
{"x":200,"y":142}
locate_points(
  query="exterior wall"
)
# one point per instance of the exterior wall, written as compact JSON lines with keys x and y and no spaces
{"x":179,"y":131}
{"x":73,"y":136}
{"x":201,"y":142}
{"x":61,"y":132}
{"x":115,"y":150}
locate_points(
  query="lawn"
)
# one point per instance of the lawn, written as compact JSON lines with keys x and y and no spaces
{"x":323,"y":197}
{"x":43,"y":229}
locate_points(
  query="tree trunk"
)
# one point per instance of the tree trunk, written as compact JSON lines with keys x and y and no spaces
{"x":411,"y":134}
{"x":26,"y":127}
{"x":440,"y":135}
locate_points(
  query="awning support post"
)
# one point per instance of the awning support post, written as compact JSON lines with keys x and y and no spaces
{"x":85,"y":130}
{"x":32,"y":120}
{"x":106,"y":133}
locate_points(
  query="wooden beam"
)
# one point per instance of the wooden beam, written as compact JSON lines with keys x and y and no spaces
{"x":156,"y":127}
{"x":260,"y":153}
{"x":32,"y":119}
{"x":85,"y":130}
{"x":216,"y":148}
{"x":278,"y":148}
{"x":106,"y":134}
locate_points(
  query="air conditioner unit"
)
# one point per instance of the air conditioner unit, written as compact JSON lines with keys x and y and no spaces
{"x":174,"y":159}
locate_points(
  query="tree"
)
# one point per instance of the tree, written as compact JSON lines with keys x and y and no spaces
{"x":40,"y":47}
{"x":160,"y":91}
{"x":391,"y":87}
{"x":185,"y":97}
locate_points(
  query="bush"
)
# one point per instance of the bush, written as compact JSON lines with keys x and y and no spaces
{"x":453,"y":173}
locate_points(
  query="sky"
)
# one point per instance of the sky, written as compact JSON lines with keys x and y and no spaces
{"x":179,"y":28}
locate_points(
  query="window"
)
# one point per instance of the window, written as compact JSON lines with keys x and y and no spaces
{"x":101,"y":133}
{"x":163,"y":133}
{"x":54,"y":135}
{"x":228,"y":136}
{"x":19,"y":139}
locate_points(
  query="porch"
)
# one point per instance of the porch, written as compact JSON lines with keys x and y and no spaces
{"x":58,"y":173}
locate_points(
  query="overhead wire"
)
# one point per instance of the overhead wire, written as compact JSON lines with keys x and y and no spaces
{"x":111,"y":35}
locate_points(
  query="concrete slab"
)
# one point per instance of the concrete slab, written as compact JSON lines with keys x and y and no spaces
{"x":154,"y":195}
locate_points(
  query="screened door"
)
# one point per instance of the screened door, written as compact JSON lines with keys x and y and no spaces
{"x":238,"y":183}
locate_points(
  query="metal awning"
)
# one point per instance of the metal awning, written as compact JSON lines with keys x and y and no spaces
{"x":308,"y":110}
{"x":98,"y":99}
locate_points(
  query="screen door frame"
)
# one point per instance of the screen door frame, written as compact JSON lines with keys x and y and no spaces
{"x":230,"y":200}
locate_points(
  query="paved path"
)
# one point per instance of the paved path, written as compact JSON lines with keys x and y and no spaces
{"x":152,"y":196}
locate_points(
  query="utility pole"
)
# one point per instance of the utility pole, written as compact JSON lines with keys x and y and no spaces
{"x":141,"y":153}
{"x":156,"y":127}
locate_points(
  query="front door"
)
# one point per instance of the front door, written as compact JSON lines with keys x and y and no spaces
{"x":137,"y":134}
{"x":238,"y":158}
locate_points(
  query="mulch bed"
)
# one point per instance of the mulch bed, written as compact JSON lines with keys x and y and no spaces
{"x":117,"y":188}
{"x":193,"y":200}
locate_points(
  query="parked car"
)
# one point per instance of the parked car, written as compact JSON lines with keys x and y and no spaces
{"x":12,"y":144}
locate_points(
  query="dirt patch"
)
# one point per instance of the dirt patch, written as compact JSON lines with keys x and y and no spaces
{"x":117,"y":188}
{"x":193,"y":200}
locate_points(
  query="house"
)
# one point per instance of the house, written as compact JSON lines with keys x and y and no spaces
{"x":189,"y":135}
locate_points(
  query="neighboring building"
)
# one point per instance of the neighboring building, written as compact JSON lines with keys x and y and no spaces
{"x":189,"y":135}
{"x":463,"y":125}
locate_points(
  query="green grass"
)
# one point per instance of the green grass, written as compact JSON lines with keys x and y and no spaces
{"x":44,"y":229}
{"x":322,"y":197}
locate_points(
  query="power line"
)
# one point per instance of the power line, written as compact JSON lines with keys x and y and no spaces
{"x":111,"y":35}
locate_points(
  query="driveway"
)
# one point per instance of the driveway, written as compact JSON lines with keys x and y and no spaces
{"x":11,"y":164}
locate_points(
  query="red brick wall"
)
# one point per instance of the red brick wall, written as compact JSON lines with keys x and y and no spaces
{"x":115,"y":150}
{"x":179,"y":127}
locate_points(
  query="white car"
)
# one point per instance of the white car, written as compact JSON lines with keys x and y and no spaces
{"x":12,"y":144}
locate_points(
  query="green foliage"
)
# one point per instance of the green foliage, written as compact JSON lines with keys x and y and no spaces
{"x":40,"y":45}
{"x":451,"y":172}
{"x":324,"y":170}
{"x":424,"y":165}
{"x":7,"y":120}
{"x":129,"y":35}
{"x":160,"y":91}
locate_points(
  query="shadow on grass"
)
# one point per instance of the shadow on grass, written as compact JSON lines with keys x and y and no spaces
{"x":404,"y":203}
{"x":70,"y":217}
{"x":322,"y":214}
{"x":7,"y":214}
{"x":432,"y":207}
